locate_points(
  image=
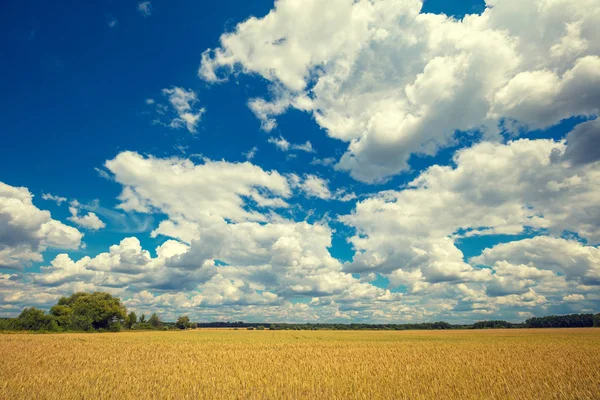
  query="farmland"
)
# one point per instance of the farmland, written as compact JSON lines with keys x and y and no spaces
{"x":225,"y":364}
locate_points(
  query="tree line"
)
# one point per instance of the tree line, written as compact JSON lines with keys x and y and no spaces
{"x":102,"y":312}
{"x":88,"y":312}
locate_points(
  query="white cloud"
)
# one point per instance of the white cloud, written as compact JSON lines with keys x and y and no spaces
{"x":145,"y":8}
{"x":57,"y":199}
{"x":183,"y":102}
{"x":326,"y":162}
{"x":178,"y":187}
{"x":574,"y":298}
{"x":250,"y":153}
{"x":88,"y":221}
{"x":26,"y":231}
{"x":282,"y":144}
{"x":410,"y":234}
{"x":103,"y":174}
{"x":391,"y":81}
{"x":575,"y":261}
{"x":307,"y":147}
{"x":312,"y":186}
{"x":150,"y":101}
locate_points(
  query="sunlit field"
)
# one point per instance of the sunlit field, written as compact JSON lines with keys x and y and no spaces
{"x":229,"y":364}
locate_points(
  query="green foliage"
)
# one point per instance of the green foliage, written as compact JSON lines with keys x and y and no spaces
{"x":89,"y":311}
{"x":597,"y":320}
{"x":562,"y":321}
{"x":441,"y":325}
{"x":142,"y":319}
{"x":155,"y":321}
{"x":33,"y":319}
{"x":183,"y":322}
{"x":492,"y":325}
{"x":131,"y":320}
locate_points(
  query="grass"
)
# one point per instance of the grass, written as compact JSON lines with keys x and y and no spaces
{"x":228,"y":364}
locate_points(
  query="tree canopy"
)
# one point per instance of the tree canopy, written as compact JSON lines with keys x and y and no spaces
{"x":89,"y":311}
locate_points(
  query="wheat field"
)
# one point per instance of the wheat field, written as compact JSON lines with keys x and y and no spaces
{"x":240,"y":364}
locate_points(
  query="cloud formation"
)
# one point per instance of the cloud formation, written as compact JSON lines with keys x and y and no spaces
{"x":183,"y":102}
{"x":89,"y":221}
{"x":392,"y":82}
{"x":26,"y":231}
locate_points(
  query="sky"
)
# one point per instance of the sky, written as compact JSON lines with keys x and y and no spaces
{"x":382,"y":161}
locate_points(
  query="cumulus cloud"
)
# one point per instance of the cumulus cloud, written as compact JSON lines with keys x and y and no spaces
{"x":178,"y":187}
{"x":584,"y":144}
{"x":183,"y":102}
{"x":410,"y":235}
{"x":250,"y":153}
{"x":89,"y":221}
{"x":572,"y":259}
{"x":26,"y":231}
{"x":391,"y":81}
{"x":312,"y":186}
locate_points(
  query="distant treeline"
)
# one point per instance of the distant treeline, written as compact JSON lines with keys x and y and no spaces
{"x":562,"y":321}
{"x":102,"y":312}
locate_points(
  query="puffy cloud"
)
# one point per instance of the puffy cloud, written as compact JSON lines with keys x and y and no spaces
{"x":26,"y":231}
{"x":391,"y":81}
{"x":570,"y":258}
{"x":88,"y":221}
{"x":584,"y":142}
{"x":574,"y":298}
{"x":183,"y":102}
{"x":409,"y":235}
{"x":178,"y":187}
{"x":538,"y":99}
{"x":312,"y":186}
{"x":280,"y":143}
{"x":225,"y":212}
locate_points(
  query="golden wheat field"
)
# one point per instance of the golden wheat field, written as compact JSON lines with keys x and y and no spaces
{"x":230,"y":364}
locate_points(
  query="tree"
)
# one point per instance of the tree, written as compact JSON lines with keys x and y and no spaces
{"x":131,"y":320}
{"x":142,"y":319}
{"x":33,"y":319}
{"x":89,"y":311}
{"x":155,"y":321}
{"x":183,"y":322}
{"x":597,"y":320}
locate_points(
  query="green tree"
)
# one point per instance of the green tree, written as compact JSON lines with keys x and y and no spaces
{"x":89,"y":311}
{"x":155,"y":321}
{"x":33,"y":319}
{"x":142,"y":319}
{"x":183,"y":322}
{"x":131,"y":320}
{"x":597,"y":320}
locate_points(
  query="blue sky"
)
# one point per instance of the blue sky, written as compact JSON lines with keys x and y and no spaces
{"x":313,"y":164}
